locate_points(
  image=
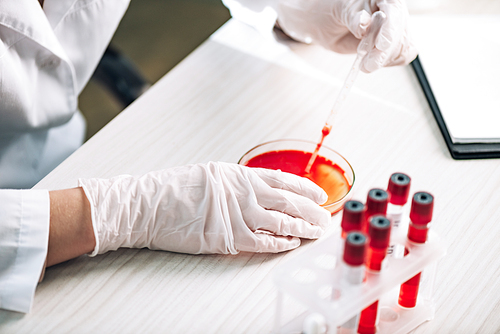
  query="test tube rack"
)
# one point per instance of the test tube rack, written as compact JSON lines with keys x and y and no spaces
{"x":314,"y":278}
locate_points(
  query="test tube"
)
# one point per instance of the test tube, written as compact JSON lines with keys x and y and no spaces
{"x":376,"y":204}
{"x":399,"y":190}
{"x":379,"y":232}
{"x":355,"y":249}
{"x":420,"y":216}
{"x":353,"y":217}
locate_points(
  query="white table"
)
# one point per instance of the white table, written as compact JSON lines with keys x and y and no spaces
{"x":235,"y":91}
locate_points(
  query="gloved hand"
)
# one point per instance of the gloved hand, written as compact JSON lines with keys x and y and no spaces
{"x":206,"y":208}
{"x":339,"y":25}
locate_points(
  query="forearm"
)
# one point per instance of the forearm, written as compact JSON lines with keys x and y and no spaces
{"x":71,"y":233}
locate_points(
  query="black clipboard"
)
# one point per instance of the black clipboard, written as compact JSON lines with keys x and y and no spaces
{"x":457,"y":151}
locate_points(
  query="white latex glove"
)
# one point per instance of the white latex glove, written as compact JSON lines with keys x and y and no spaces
{"x":206,"y":208}
{"x":339,"y":25}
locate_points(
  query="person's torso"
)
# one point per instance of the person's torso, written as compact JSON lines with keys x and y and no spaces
{"x":46,"y":58}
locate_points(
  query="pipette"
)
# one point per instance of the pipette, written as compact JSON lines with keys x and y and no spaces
{"x":366,"y":44}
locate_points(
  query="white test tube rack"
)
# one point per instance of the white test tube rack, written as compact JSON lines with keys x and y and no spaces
{"x":314,"y":278}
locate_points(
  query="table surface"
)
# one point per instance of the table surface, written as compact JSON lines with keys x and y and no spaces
{"x":235,"y":91}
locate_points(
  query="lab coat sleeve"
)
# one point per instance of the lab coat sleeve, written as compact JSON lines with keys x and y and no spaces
{"x":260,"y":14}
{"x":24,"y":233}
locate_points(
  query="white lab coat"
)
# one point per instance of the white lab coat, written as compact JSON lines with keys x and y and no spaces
{"x":24,"y":233}
{"x":46,"y":58}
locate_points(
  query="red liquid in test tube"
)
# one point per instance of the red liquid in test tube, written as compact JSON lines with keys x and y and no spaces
{"x":376,"y":204}
{"x":353,"y":217}
{"x":420,"y":216}
{"x":354,"y":256}
{"x":379,"y":231}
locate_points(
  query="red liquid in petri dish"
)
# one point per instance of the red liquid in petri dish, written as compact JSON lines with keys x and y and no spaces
{"x":324,"y":172}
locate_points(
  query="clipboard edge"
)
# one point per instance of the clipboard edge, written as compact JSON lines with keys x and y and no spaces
{"x":457,"y":151}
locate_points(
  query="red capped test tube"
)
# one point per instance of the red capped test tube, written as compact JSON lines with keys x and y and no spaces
{"x":355,"y":250}
{"x":376,"y":204}
{"x":399,"y":190}
{"x":353,"y":217}
{"x":356,"y":244}
{"x":379,"y":232}
{"x":420,"y":216}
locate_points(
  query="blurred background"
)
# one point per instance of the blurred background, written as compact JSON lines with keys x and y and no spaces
{"x":156,"y":35}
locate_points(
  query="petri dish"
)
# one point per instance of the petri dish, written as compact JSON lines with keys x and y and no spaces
{"x":331,"y":171}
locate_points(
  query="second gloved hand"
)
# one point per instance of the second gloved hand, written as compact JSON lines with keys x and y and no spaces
{"x":206,"y":208}
{"x":339,"y":25}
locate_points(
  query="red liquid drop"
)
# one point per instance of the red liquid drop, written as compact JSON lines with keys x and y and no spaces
{"x":324,"y":132}
{"x":324,"y":172}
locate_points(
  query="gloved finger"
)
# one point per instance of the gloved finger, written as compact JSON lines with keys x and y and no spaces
{"x":293,"y":183}
{"x":266,"y":243}
{"x":393,"y":27}
{"x":404,"y":55}
{"x":293,"y":205}
{"x":358,"y":22}
{"x":279,"y":223}
{"x":394,"y":38}
{"x":385,"y":39}
{"x":282,"y":224}
{"x":373,"y":60}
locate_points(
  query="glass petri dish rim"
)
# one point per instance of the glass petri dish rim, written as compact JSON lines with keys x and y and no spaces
{"x":324,"y":147}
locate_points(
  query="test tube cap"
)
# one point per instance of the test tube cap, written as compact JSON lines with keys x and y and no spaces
{"x":379,"y":231}
{"x":399,"y":188}
{"x":353,"y":216}
{"x":376,"y":202}
{"x":422,"y":206}
{"x":355,"y":247}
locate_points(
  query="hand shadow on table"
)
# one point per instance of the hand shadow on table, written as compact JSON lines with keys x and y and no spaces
{"x":133,"y":261}
{"x":91,"y":273}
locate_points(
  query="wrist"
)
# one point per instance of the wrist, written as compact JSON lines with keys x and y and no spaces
{"x":70,"y":232}
{"x":118,"y":215}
